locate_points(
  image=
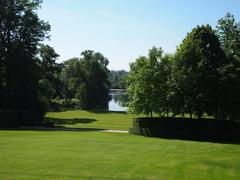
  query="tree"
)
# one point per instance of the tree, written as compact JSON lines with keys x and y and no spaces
{"x":195,"y":72}
{"x":95,"y":80}
{"x":228,"y":31}
{"x":147,"y":83}
{"x":50,"y":70}
{"x":86,"y":79}
{"x":70,"y":77}
{"x":21,"y":30}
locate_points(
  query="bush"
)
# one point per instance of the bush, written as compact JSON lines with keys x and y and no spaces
{"x":48,"y":124}
{"x":54,"y":107}
{"x":9,"y":119}
{"x":184,"y":128}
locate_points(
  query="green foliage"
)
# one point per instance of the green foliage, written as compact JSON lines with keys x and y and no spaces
{"x":228,"y":31}
{"x":45,"y":88}
{"x":50,"y":70}
{"x":186,"y":128}
{"x":86,"y":79}
{"x":203,"y":76}
{"x":195,"y":82}
{"x":9,"y":119}
{"x":118,"y":79}
{"x":20,"y":33}
{"x":147,"y":83}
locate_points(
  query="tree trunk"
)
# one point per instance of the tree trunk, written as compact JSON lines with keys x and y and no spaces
{"x":190,"y":115}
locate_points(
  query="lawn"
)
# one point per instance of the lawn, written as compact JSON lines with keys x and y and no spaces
{"x":98,"y":155}
{"x":92,"y":119}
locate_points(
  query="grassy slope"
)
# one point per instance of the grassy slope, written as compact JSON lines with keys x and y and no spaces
{"x":86,"y":119}
{"x":95,"y":155}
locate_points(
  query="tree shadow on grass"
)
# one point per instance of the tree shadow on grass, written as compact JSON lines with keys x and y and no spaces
{"x":73,"y":121}
{"x":59,"y":124}
{"x":57,"y":128}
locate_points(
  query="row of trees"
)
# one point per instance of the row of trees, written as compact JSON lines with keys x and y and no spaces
{"x":202,"y":77}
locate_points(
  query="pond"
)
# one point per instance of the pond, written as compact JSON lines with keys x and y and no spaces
{"x":115,"y":104}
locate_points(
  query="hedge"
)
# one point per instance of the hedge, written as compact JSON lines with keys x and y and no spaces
{"x":8,"y":119}
{"x":185,"y":128}
{"x":16,"y":118}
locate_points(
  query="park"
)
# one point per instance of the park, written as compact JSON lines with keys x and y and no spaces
{"x":167,"y":116}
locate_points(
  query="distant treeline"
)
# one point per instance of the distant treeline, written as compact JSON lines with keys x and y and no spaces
{"x":118,"y":79}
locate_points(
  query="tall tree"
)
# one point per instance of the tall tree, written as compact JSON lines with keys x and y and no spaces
{"x":196,"y":76}
{"x":50,"y":70}
{"x":21,"y":30}
{"x":70,"y":77}
{"x":228,"y":31}
{"x":147,"y":83}
{"x":86,"y":79}
{"x":95,"y":80}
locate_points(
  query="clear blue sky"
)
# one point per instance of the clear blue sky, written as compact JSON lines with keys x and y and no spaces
{"x":122,"y":30}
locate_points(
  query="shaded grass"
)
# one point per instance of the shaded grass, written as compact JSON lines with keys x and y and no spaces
{"x":94,"y":119}
{"x":91,"y":119}
{"x":95,"y":155}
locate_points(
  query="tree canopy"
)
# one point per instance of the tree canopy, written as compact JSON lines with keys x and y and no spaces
{"x":147,"y":83}
{"x":228,"y":31}
{"x":21,"y":32}
{"x":196,"y":73}
{"x":201,"y":78}
{"x":86,"y":78}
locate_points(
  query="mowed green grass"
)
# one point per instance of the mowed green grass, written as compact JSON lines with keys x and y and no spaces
{"x":94,"y":119}
{"x":98,"y":155}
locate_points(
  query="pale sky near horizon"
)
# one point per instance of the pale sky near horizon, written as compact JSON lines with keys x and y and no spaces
{"x":122,"y":30}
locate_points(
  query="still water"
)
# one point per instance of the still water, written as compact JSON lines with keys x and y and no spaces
{"x":115,"y":102}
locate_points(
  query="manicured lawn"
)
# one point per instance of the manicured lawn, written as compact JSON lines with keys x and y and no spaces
{"x":94,"y":119}
{"x":98,"y":155}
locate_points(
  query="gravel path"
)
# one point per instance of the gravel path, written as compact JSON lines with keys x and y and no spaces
{"x":71,"y":129}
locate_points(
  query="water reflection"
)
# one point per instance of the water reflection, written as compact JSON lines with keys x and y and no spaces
{"x":117,"y":102}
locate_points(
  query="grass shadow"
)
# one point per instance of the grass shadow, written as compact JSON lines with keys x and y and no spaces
{"x":56,"y":128}
{"x":70,"y":121}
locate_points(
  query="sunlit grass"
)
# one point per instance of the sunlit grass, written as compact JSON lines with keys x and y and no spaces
{"x":97,"y":155}
{"x":92,"y":119}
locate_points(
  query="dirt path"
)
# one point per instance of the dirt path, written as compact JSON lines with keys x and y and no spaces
{"x":71,"y":129}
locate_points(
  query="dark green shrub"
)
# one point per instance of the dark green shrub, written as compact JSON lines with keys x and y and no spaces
{"x":184,"y":128}
{"x":8,"y":119}
{"x":54,"y":107}
{"x":48,"y":124}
